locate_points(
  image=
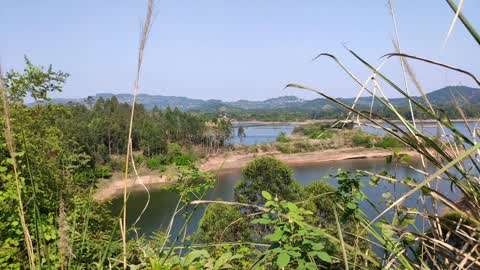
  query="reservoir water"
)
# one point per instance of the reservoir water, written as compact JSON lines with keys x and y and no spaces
{"x":267,"y":133}
{"x":258,"y":134}
{"x":163,"y":202}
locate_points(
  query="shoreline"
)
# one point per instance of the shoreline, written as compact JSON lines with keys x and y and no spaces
{"x":248,"y":123}
{"x":230,"y":161}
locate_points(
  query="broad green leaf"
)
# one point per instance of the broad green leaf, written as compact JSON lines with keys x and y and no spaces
{"x":282,"y":260}
{"x":266,"y":195}
{"x":261,"y":221}
{"x":222,"y":260}
{"x":318,"y":246}
{"x":276,"y":236}
{"x":324,"y":256}
{"x":194,"y":255}
{"x":292,"y":207}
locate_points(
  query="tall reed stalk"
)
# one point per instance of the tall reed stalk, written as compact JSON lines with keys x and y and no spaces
{"x":148,"y":20}
{"x":11,"y":149}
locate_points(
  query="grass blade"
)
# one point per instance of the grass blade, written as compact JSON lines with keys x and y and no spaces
{"x":429,"y":179}
{"x":464,"y":20}
{"x":477,"y":81}
{"x":340,"y":236}
{"x":454,"y":20}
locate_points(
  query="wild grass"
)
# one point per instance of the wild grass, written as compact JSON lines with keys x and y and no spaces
{"x":455,"y":162}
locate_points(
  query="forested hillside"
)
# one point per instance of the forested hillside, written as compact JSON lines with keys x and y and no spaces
{"x":293,"y":108}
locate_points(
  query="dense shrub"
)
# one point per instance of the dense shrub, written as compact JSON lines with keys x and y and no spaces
{"x":282,"y":137}
{"x":322,"y":204}
{"x":266,"y":174}
{"x":285,"y":148}
{"x":302,"y":146}
{"x":222,"y":223}
{"x":389,"y":142}
{"x":322,"y":135}
{"x":360,"y":138}
{"x":103,"y":171}
{"x":155,"y":162}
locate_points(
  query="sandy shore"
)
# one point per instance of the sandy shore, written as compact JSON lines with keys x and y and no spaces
{"x":110,"y":188}
{"x":223,"y":163}
{"x":232,"y":161}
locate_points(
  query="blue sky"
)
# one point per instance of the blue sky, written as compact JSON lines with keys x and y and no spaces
{"x":233,"y":49}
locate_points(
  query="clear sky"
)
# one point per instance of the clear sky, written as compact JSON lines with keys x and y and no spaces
{"x":230,"y":49}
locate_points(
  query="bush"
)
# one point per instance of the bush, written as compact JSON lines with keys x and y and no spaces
{"x":139,"y":159}
{"x":183,"y":160}
{"x":103,"y":171}
{"x":116,"y":164}
{"x":266,"y":174}
{"x":252,"y":149}
{"x":302,"y":146}
{"x":322,"y":135}
{"x":155,"y":162}
{"x":175,"y":155}
{"x":361,"y":138}
{"x":265,"y":147}
{"x":389,"y":142}
{"x":321,"y":206}
{"x":316,"y":128}
{"x":285,"y":148}
{"x":283,"y":138}
{"x":222,"y":223}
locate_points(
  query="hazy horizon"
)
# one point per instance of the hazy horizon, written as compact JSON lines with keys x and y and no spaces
{"x":231,"y":50}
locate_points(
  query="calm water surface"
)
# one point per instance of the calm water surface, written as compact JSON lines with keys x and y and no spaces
{"x":163,"y":202}
{"x":260,"y":133}
{"x":428,"y":128}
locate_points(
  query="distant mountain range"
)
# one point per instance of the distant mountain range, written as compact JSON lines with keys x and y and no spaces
{"x":440,"y":97}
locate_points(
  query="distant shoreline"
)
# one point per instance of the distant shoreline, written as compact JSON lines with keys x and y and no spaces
{"x":230,"y":161}
{"x":311,"y":121}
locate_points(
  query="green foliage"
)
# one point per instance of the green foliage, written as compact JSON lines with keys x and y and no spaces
{"x":320,"y":199}
{"x":268,"y":174}
{"x":174,"y":155}
{"x":360,"y":138}
{"x":103,"y":171}
{"x":302,"y":146}
{"x":61,"y":152}
{"x":295,"y":147}
{"x":282,"y":137}
{"x":389,"y":142}
{"x":34,"y":81}
{"x":349,"y":192}
{"x":318,"y":131}
{"x":294,"y":243}
{"x":285,"y":148}
{"x":155,"y":162}
{"x":223,"y":223}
